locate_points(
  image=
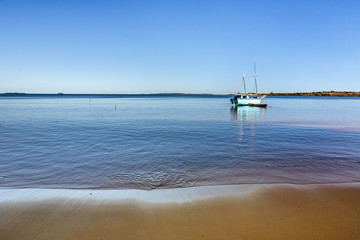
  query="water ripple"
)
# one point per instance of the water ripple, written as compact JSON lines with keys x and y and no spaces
{"x":64,"y":143}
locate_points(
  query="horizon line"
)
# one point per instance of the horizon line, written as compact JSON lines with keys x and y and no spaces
{"x":171,"y":93}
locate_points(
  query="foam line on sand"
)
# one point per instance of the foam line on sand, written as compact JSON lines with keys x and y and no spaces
{"x":154,"y":196}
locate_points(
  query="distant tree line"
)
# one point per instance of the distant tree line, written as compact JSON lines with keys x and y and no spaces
{"x":323,"y":93}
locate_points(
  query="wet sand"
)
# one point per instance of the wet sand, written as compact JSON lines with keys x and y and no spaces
{"x":257,"y":212}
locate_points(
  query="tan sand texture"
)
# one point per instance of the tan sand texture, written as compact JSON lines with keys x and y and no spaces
{"x":277,"y":212}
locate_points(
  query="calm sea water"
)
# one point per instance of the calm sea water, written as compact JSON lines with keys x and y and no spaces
{"x":150,"y":142}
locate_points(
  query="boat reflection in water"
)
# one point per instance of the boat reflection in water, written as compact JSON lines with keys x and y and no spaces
{"x":247,"y":117}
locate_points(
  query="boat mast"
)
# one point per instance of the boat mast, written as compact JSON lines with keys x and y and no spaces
{"x":255,"y":76}
{"x":243,"y":75}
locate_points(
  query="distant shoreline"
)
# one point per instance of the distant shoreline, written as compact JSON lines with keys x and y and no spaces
{"x":309,"y":94}
{"x":319,"y":94}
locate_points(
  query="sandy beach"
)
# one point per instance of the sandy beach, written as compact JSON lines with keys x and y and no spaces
{"x":221,"y":212}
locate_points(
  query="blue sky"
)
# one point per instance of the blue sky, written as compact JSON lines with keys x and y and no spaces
{"x":178,"y":46}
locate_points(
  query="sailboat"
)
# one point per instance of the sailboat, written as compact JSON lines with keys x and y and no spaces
{"x":247,"y":99}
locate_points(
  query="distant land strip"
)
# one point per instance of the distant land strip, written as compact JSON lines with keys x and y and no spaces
{"x":323,"y":93}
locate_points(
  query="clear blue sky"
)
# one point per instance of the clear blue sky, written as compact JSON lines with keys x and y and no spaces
{"x":178,"y":46}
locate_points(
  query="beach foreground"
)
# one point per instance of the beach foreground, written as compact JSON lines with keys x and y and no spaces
{"x":222,"y":212}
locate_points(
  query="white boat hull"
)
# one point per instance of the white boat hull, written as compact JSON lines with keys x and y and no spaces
{"x":246,"y":100}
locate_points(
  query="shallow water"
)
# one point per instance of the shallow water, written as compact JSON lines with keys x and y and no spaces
{"x":149,"y":142}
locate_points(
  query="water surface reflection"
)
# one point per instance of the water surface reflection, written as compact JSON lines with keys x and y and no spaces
{"x":246,"y":115}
